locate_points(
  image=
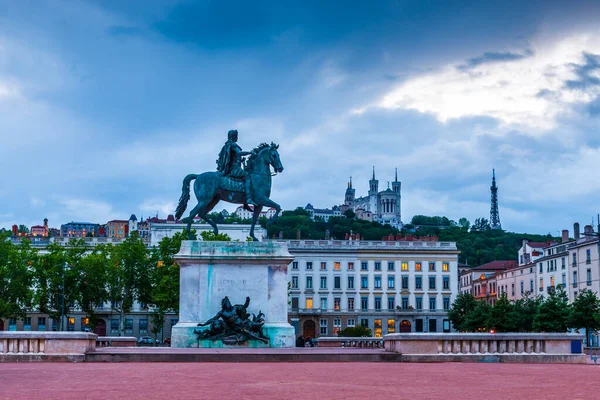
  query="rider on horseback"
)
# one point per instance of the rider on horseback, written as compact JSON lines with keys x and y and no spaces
{"x":230,"y":163}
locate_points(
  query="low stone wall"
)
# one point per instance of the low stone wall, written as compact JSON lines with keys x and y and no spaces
{"x":490,"y":347}
{"x":45,"y":346}
{"x":359,"y":342}
{"x":116,"y":341}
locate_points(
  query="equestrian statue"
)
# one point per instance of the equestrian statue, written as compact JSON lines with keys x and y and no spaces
{"x":237,"y":181}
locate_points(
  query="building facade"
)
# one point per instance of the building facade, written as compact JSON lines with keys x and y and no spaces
{"x":241,"y":212}
{"x":79,"y":229}
{"x":385,"y":286}
{"x":117,"y":229}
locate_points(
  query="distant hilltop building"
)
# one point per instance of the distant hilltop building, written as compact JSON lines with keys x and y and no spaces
{"x":383,"y":207}
{"x":323,"y":213}
{"x":242,"y":213}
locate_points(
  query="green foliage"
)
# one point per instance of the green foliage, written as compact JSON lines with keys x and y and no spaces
{"x":23,"y":229}
{"x":500,"y":316}
{"x":463,"y":305}
{"x":349,"y":214}
{"x":355,"y":331}
{"x":432,"y":221}
{"x":553,"y":313}
{"x":585,"y":312}
{"x":209,"y":236}
{"x":523,"y":312}
{"x":16,"y":264}
{"x":478,"y":319}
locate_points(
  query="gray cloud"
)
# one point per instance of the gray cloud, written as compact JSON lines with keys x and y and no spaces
{"x":493,"y":57}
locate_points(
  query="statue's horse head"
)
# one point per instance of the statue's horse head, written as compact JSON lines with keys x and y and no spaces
{"x":267,"y":154}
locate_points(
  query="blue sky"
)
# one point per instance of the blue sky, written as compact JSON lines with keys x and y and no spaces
{"x":106,"y":106}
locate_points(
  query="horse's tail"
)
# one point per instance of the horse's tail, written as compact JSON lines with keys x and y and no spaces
{"x":185,"y":195}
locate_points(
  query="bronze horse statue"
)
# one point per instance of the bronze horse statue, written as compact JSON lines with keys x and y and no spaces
{"x":211,"y":187}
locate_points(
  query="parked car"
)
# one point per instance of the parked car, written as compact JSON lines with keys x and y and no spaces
{"x":145,"y":340}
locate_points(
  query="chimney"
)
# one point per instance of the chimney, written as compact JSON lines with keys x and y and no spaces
{"x":565,"y":235}
{"x":588,"y":229}
{"x":524,"y":242}
{"x":576,"y":230}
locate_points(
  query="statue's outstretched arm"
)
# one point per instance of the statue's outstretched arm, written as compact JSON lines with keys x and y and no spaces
{"x":216,"y":317}
{"x":247,"y":303}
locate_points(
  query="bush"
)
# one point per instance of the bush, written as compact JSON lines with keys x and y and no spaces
{"x":355,"y":331}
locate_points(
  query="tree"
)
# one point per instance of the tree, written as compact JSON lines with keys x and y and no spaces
{"x":128,"y":276}
{"x":349,"y":213}
{"x":355,"y":331}
{"x":209,"y":236}
{"x":523,"y":312}
{"x":500,"y":319}
{"x":480,"y":225}
{"x":553,"y":313}
{"x":464,"y":223}
{"x":478,"y":319}
{"x":92,"y":290}
{"x":585,"y":312}
{"x":463,"y":305}
{"x":23,"y":229}
{"x":16,"y":264}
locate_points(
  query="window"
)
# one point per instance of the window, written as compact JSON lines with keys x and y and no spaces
{"x":405,"y":282}
{"x":337,"y":282}
{"x":377,"y":266}
{"x":541,"y":284}
{"x":564,"y":279}
{"x":309,"y":266}
{"x":391,"y":302}
{"x":563,"y":263}
{"x":377,"y":303}
{"x":404,"y":303}
{"x":445,"y":266}
{"x":431,"y":266}
{"x":309,"y":283}
{"x":404,"y":266}
{"x":41,"y":324}
{"x":419,"y":303}
{"x":364,"y":303}
{"x":446,"y":303}
{"x":378,"y":282}
{"x":351,"y":304}
{"x":574,"y":258}
{"x":390,"y":265}
{"x":391,"y":281}
{"x":589,"y":277}
{"x":522,"y":287}
{"x":309,"y":303}
{"x":512,"y":289}
{"x":129,"y":326}
{"x":323,"y":282}
{"x":351,"y":323}
{"x":323,"y":327}
{"x":350,"y":282}
{"x":114,"y":326}
{"x":432,"y":303}
{"x":295,"y":265}
{"x":294,"y":304}
{"x":588,"y":256}
{"x":350,"y":266}
{"x":432,"y":282}
{"x":418,"y":267}
{"x":364,"y":266}
{"x":574,"y":278}
{"x":391,"y":326}
{"x":552,"y":281}
{"x":27,"y":323}
{"x":323,"y":303}
{"x":12,"y":324}
{"x":337,"y":324}
{"x":336,"y":304}
{"x":446,"y":282}
{"x":541,"y":268}
{"x":71,"y":324}
{"x":364,"y":282}
{"x":337,"y":266}
{"x":418,"y":282}
{"x":143,"y":326}
{"x":531,"y":285}
{"x":377,"y":328}
{"x":294,"y":282}
{"x":323,"y":266}
{"x":433,"y":325}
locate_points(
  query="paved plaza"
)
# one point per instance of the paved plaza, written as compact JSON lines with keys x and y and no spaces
{"x":297,"y":381}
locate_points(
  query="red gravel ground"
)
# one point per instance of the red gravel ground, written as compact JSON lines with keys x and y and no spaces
{"x":170,"y":381}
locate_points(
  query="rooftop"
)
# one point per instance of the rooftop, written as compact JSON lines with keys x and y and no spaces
{"x":498,"y":265}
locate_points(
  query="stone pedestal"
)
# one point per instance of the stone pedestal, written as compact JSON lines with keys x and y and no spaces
{"x":212,"y":270}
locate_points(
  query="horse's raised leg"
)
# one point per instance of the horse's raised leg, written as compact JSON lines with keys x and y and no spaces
{"x":203,"y":213}
{"x":265,"y":201}
{"x":255,"y":216}
{"x":190,"y":219}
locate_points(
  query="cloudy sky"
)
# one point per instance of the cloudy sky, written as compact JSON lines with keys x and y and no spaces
{"x":106,"y":105}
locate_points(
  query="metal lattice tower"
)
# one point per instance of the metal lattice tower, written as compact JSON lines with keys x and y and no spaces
{"x":494,"y":214}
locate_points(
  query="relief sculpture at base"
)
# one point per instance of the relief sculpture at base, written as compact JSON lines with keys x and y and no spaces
{"x":232,"y":325}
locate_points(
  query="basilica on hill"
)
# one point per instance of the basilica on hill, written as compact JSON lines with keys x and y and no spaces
{"x":383,"y":207}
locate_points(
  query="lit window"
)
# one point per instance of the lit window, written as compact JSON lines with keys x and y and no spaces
{"x":336,"y":266}
{"x":377,"y":328}
{"x":431,"y":266}
{"x":404,"y":266}
{"x":391,"y":326}
{"x":336,"y":304}
{"x":309,"y":303}
{"x":418,"y":266}
{"x":445,"y":267}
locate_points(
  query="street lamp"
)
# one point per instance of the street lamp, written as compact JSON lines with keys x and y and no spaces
{"x":62,"y":312}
